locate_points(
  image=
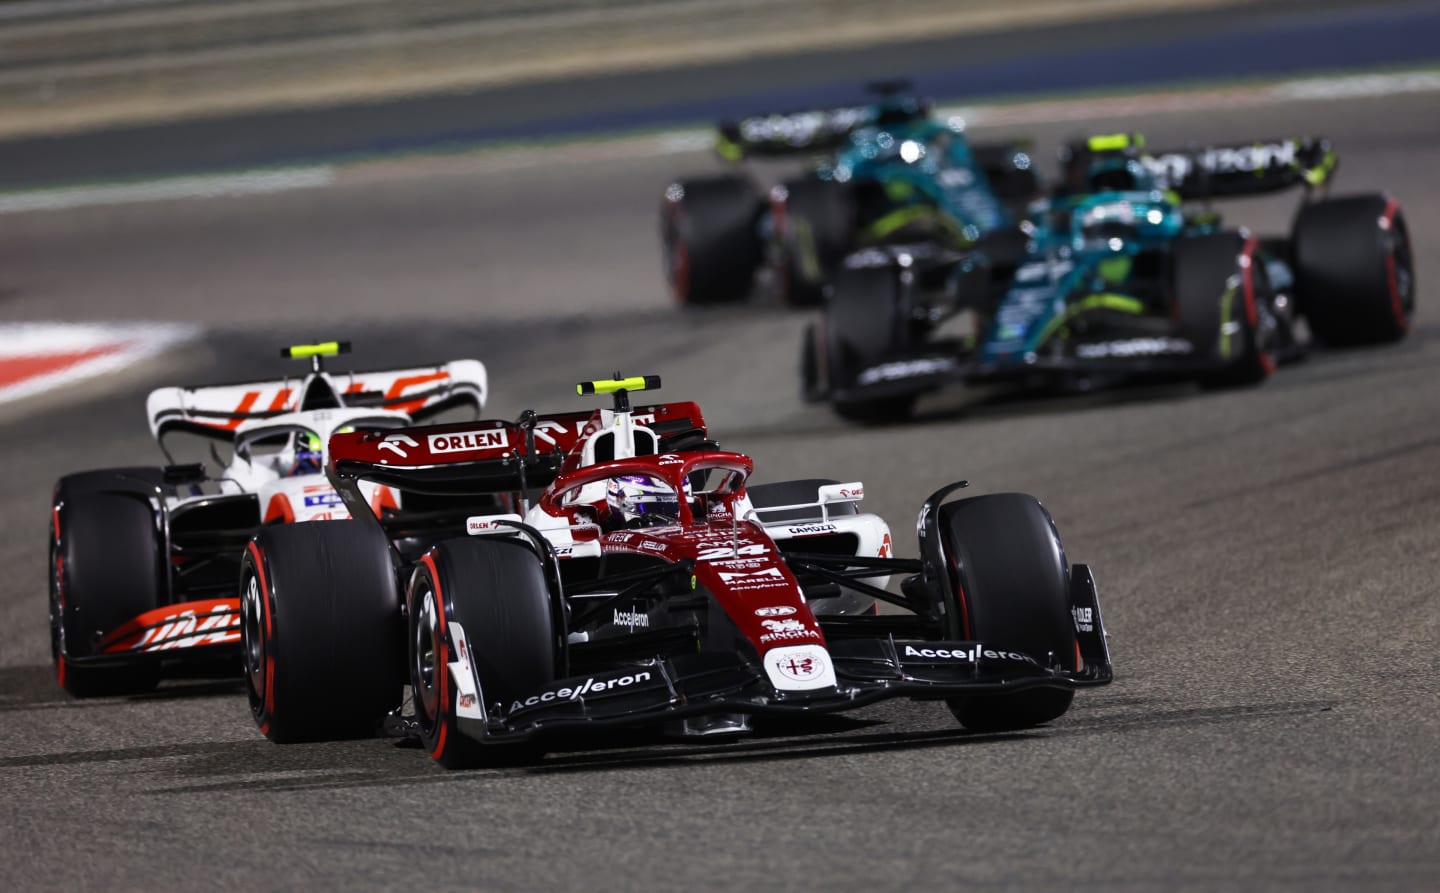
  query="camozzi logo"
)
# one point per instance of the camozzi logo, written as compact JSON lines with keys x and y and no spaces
{"x":467,"y":440}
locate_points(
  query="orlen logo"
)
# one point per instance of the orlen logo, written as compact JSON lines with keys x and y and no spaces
{"x":775,"y":611}
{"x":467,"y":440}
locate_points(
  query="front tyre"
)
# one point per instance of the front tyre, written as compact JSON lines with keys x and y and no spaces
{"x":1010,"y":588}
{"x":320,"y":630}
{"x":1223,"y":306}
{"x":814,"y":222}
{"x":495,"y":591}
{"x":862,"y":328}
{"x":106,"y":568}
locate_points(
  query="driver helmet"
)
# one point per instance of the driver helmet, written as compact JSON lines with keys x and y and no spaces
{"x":635,"y":498}
{"x":309,"y":454}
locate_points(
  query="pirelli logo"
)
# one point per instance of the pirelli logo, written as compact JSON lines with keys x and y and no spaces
{"x":464,"y":441}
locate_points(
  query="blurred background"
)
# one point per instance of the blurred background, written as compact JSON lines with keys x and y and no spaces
{"x":186,"y":185}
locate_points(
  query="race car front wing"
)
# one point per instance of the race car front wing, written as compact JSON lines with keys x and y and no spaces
{"x":866,"y":670}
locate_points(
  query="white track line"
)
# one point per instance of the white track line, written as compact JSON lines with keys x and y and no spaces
{"x":481,"y":159}
{"x":208,"y":186}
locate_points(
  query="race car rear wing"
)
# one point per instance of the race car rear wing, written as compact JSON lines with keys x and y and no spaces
{"x":491,"y":456}
{"x":815,"y":130}
{"x":1243,"y":169}
{"x":215,"y":411}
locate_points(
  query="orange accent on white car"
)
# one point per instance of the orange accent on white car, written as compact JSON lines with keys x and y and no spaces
{"x":403,"y":384}
{"x":279,"y":509}
{"x":189,"y":625}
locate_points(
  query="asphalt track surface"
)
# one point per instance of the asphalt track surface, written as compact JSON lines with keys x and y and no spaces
{"x":1266,"y":561}
{"x":1259,"y":39}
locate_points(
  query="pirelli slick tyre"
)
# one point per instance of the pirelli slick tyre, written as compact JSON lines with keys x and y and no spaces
{"x":814,"y":384}
{"x":814,"y":225}
{"x":1354,"y":273}
{"x":1222,"y":303}
{"x":107,"y":567}
{"x":493,"y":592}
{"x":321,"y":631}
{"x":709,"y":239}
{"x":1011,"y":590}
{"x":1010,"y":171}
{"x":862,"y":327}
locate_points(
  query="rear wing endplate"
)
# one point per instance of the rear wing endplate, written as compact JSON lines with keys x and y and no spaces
{"x":827,"y":495}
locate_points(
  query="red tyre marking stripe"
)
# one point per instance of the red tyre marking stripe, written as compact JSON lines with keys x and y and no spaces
{"x":1396,"y":307}
{"x":59,"y":593}
{"x":964,"y":607}
{"x":442,"y":660}
{"x":259,"y":560}
{"x":1267,"y":362}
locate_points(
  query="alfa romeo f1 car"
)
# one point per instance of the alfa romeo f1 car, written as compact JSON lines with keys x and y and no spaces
{"x":1121,"y":278}
{"x":648,"y":585}
{"x":144,"y":561}
{"x":877,"y":172}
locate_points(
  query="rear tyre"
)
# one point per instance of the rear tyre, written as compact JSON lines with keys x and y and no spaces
{"x":106,"y":568}
{"x":862,"y":329}
{"x":1011,"y":589}
{"x":1354,"y":273}
{"x":1016,"y":186}
{"x":495,"y":590}
{"x":813,"y":385}
{"x":709,"y":239}
{"x":814,"y":224}
{"x":1222,"y":304}
{"x":320,"y":630}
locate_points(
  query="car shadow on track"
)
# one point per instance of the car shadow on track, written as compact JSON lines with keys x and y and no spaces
{"x":35,"y":688}
{"x":362,"y":764}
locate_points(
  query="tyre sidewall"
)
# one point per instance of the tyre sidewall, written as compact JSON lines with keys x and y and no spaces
{"x":495,"y":589}
{"x":1354,"y":269}
{"x":106,"y":567}
{"x":332,"y":651}
{"x":1010,"y":589}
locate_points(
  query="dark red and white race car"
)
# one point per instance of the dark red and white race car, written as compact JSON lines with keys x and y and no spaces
{"x":647,"y":585}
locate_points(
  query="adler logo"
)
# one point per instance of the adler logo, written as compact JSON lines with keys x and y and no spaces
{"x":467,"y":440}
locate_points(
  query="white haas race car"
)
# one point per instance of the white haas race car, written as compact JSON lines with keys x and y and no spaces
{"x":144,"y":562}
{"x":648,"y":584}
